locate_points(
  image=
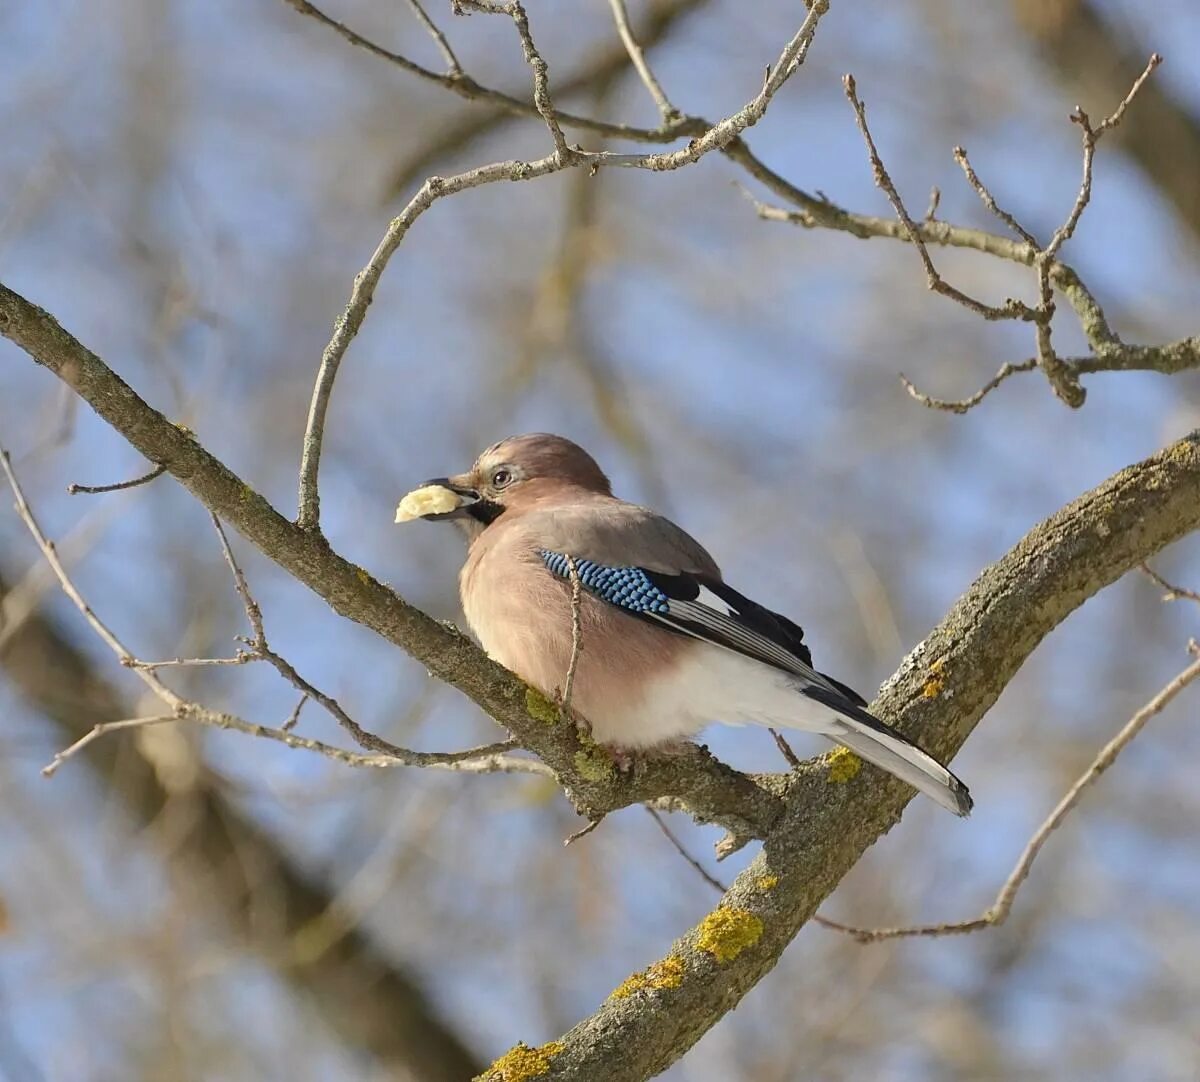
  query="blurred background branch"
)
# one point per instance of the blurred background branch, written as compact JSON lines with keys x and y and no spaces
{"x":221,"y":856}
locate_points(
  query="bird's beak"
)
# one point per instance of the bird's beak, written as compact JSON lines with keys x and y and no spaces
{"x":437,"y":500}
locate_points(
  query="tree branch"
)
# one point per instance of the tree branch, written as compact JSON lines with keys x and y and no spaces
{"x":938,"y":695}
{"x":710,"y":790}
{"x":997,"y":913}
{"x":347,"y":325}
{"x":823,"y":823}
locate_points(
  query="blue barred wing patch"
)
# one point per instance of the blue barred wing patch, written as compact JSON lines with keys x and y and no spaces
{"x":626,"y":587}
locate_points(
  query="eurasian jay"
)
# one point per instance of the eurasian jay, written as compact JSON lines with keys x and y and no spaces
{"x":665,"y":645}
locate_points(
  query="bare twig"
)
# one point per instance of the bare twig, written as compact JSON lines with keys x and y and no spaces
{"x":785,"y":749}
{"x":1065,"y":382}
{"x":584,"y":831}
{"x":637,"y":57}
{"x":935,"y":199}
{"x":963,"y":404}
{"x":145,"y":479}
{"x":1171,"y":593}
{"x":1091,"y":136}
{"x":812,"y":212}
{"x":468,"y":88}
{"x":999,"y":910}
{"x":188,"y":662}
{"x":989,"y":200}
{"x":253,"y":613}
{"x":98,"y":731}
{"x":541,"y":72}
{"x":453,"y":67}
{"x":723,"y":134}
{"x":1011,"y":309}
{"x":293,"y":719}
{"x":260,"y":649}
{"x":711,"y":880}
{"x":489,"y":758}
{"x":1062,"y":375}
{"x":576,"y":635}
{"x":717,"y":137}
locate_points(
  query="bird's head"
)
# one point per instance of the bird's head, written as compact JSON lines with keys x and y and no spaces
{"x":518,"y":472}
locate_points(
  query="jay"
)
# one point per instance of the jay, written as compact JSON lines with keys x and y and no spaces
{"x":665,"y":645}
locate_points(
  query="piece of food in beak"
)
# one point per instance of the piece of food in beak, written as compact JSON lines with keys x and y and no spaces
{"x":430,"y":500}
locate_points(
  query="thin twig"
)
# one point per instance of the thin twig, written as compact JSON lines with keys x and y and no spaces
{"x":998,"y":912}
{"x":537,"y":63}
{"x":145,"y":479}
{"x":717,"y":137}
{"x":785,"y":749}
{"x":1062,"y":375}
{"x":1065,"y":382}
{"x":293,"y":719}
{"x":253,"y":612}
{"x":583,"y":832}
{"x":576,"y":636}
{"x":1111,"y":353}
{"x":453,"y":67}
{"x":486,"y":759}
{"x":466,"y":87}
{"x":637,"y":57}
{"x":188,"y":662}
{"x":1171,"y":593}
{"x":711,"y":880}
{"x":260,"y":649}
{"x":989,"y":200}
{"x":97,"y":731}
{"x":961,"y":405}
{"x":1011,"y":309}
{"x":935,"y":199}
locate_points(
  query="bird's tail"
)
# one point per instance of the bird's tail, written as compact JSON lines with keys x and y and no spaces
{"x":869,"y":737}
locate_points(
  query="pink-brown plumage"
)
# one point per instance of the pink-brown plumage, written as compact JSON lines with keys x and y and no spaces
{"x":641,"y":680}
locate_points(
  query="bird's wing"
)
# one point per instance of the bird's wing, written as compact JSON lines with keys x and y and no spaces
{"x":641,"y":562}
{"x":695,"y":605}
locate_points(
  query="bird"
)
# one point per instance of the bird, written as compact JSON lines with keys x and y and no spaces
{"x":560,"y":571}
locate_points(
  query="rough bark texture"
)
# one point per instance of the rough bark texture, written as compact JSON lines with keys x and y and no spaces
{"x":363,"y":996}
{"x":827,"y":816}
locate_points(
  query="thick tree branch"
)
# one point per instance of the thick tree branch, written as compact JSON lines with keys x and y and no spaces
{"x":708,"y":789}
{"x":938,"y":695}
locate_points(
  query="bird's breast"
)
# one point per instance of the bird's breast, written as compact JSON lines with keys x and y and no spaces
{"x":522,"y":616}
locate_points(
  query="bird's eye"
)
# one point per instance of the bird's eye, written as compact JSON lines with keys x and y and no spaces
{"x":501,"y":478}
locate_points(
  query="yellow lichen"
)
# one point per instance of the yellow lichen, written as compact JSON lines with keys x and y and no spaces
{"x":362,"y":576}
{"x":522,"y":1062}
{"x":726,"y":932}
{"x":935,"y":683}
{"x":665,"y":974}
{"x":767,"y":882}
{"x":843,"y":765}
{"x":538,"y":707}
{"x":593,"y":765}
